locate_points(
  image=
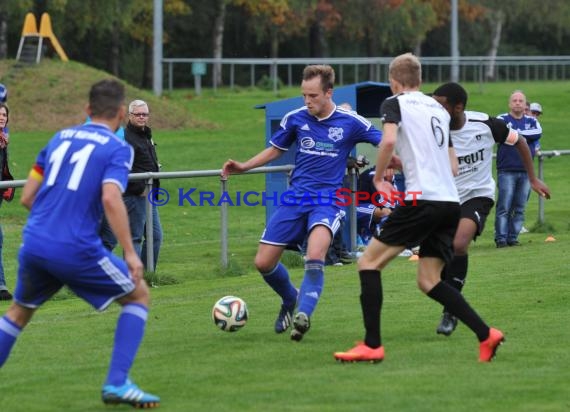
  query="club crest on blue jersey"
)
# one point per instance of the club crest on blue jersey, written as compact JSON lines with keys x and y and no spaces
{"x":335,"y":133}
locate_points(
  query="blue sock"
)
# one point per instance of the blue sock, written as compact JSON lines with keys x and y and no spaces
{"x":312,"y":286}
{"x":128,"y":336}
{"x":9,"y":332}
{"x":280,"y":282}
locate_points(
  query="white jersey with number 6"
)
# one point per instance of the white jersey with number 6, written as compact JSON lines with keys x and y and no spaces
{"x":422,"y":144}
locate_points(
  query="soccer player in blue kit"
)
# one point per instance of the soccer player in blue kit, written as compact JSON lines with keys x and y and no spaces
{"x":82,"y":172}
{"x":323,"y":135}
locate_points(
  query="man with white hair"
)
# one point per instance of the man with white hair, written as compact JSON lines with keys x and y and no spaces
{"x":139,"y":135}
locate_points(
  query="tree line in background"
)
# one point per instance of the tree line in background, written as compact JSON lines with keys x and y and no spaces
{"x":116,"y":35}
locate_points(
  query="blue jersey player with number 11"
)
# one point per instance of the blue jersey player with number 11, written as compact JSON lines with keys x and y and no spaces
{"x":323,"y":136}
{"x":80,"y":174}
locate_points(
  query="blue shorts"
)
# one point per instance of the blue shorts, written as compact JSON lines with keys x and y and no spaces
{"x":290,"y":224}
{"x":99,"y":278}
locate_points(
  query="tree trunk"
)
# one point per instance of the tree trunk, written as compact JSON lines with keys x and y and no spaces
{"x":115,"y":53}
{"x":318,"y":46}
{"x":148,"y":65}
{"x":315,"y":49}
{"x":3,"y":36}
{"x":218,"y":40}
{"x":418,"y":47}
{"x":497,"y":23}
{"x":371,"y":51}
{"x":39,"y":8}
{"x":274,"y":52}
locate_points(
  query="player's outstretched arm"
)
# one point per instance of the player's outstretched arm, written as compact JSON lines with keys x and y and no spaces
{"x":395,"y":163}
{"x":118,"y":219}
{"x":260,"y":159}
{"x":537,"y":185}
{"x":540,"y":187}
{"x":385,"y":153}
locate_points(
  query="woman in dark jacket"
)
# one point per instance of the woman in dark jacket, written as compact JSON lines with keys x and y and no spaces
{"x":7,"y":194}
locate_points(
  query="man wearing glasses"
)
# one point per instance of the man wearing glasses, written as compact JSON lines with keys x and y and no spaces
{"x":139,"y":135}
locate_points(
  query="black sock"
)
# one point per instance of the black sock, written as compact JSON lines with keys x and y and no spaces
{"x":456,"y":271}
{"x":458,"y":306}
{"x":371,"y":302}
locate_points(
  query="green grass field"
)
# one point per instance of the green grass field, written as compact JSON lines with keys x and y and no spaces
{"x":60,"y":361}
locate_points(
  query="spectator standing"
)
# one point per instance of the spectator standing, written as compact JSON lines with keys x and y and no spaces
{"x":323,"y":136}
{"x":512,"y":178}
{"x":139,"y":135}
{"x":85,"y":168}
{"x":535,"y":110}
{"x":4,"y":175}
{"x":417,"y":127}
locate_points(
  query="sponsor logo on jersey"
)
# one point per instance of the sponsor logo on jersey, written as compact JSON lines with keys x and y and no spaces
{"x":307,"y":142}
{"x":317,"y":148}
{"x":472,"y":157}
{"x":325,"y":146}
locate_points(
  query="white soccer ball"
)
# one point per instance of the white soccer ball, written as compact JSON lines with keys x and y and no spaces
{"x":230,"y":313}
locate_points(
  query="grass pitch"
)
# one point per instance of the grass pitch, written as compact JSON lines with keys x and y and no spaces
{"x":60,"y":361}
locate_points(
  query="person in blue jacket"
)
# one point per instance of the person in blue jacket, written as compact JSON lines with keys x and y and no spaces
{"x":512,"y":179}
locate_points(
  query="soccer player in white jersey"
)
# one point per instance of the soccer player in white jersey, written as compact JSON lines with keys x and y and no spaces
{"x":323,"y":136}
{"x":474,"y":135}
{"x":79,"y":174}
{"x":417,"y":127}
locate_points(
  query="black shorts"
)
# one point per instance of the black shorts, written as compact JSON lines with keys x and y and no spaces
{"x":430,"y":224}
{"x":477,"y":209}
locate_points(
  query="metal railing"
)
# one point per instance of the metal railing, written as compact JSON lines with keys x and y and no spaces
{"x":224,"y":215}
{"x":249,"y":71}
{"x":224,"y":212}
{"x":547,"y":154}
{"x":149,"y":178}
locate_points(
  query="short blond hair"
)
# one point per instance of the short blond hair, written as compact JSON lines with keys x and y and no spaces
{"x":406,"y":69}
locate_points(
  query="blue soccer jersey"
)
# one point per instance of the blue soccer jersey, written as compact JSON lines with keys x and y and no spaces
{"x":508,"y":157}
{"x":67,"y":210}
{"x":322,"y":147}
